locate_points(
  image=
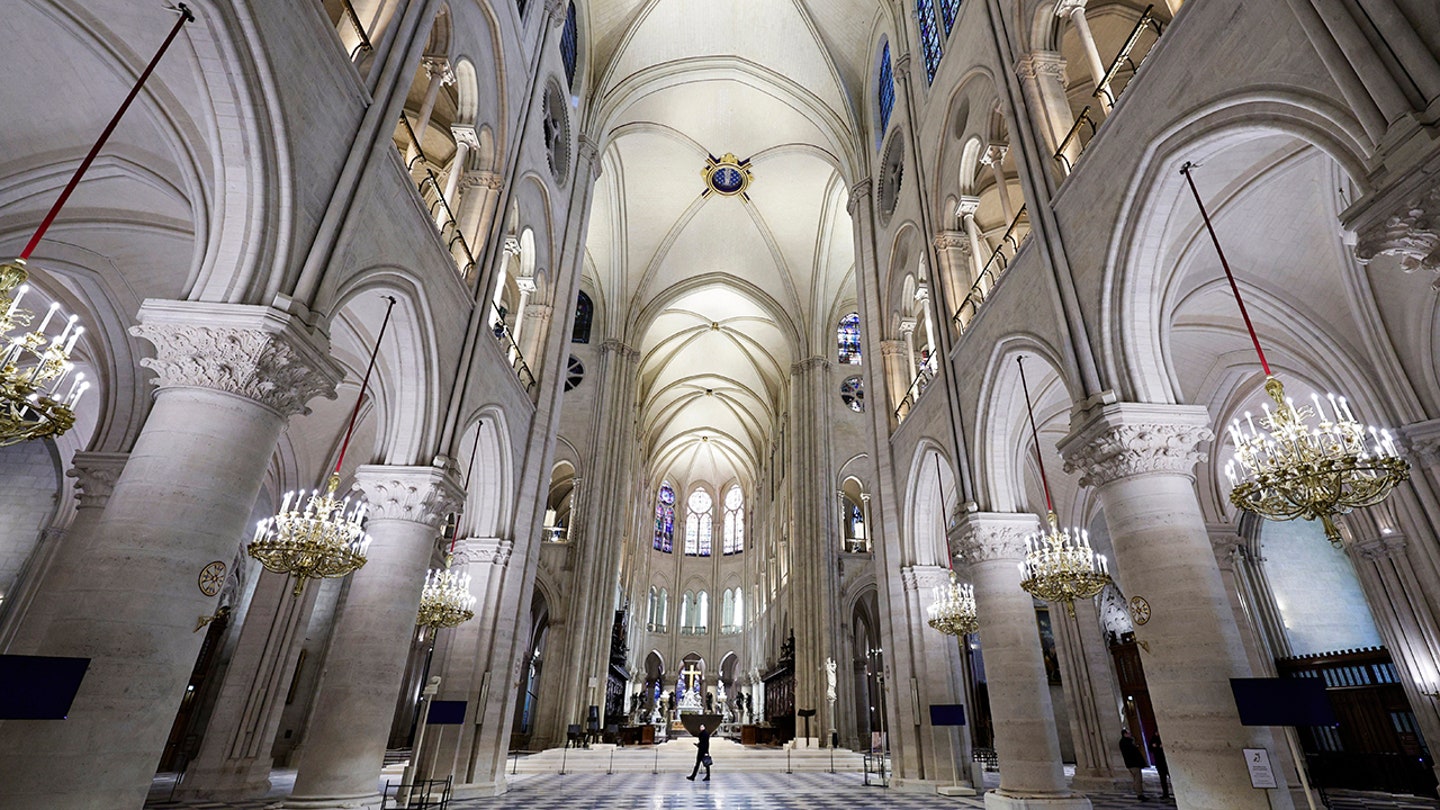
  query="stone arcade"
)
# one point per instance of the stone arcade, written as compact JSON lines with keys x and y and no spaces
{"x":720,"y":304}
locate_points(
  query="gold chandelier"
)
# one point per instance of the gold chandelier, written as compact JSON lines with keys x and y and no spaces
{"x":326,"y":538}
{"x":1059,"y":564}
{"x":953,"y":611}
{"x":1286,"y":468}
{"x":34,"y":366}
{"x":446,"y":600}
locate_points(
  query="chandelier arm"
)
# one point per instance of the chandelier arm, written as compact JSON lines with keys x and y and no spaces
{"x":1035,"y":433}
{"x":364,"y":384}
{"x":1234,"y":288}
{"x":185,"y":16}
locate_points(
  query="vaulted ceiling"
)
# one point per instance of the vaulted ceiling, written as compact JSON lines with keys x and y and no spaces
{"x":723,"y":294}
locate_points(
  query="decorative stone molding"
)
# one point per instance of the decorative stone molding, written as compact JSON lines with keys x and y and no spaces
{"x":1382,"y":547}
{"x":967,"y":206}
{"x":1412,"y":235}
{"x":922,"y":292}
{"x":1065,"y":8}
{"x":588,"y":153}
{"x":994,"y":153}
{"x":1041,"y":64}
{"x":892,"y":348}
{"x":980,"y":537}
{"x":1227,"y":544}
{"x":255,"y":352}
{"x":95,"y":475}
{"x":924,"y":577}
{"x":901,"y":68}
{"x":810,"y":364}
{"x":1422,"y":442}
{"x":477,"y":551}
{"x":526,"y":285}
{"x":555,"y":10}
{"x":417,"y":494}
{"x":512,"y":247}
{"x":620,"y":348}
{"x":487,"y":180}
{"x":858,"y":193}
{"x":466,"y":134}
{"x":907,"y":326}
{"x":953,"y":240}
{"x":1126,"y":439}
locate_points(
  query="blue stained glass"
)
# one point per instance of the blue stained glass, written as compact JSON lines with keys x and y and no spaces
{"x":929,"y":37}
{"x":949,"y":12}
{"x":848,"y":337}
{"x":886,"y":93}
{"x":728,"y":180}
{"x":570,"y":45}
{"x":665,"y":519}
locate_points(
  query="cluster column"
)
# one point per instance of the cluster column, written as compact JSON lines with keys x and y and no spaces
{"x":128,"y":595}
{"x":938,"y":672}
{"x":1031,"y":773}
{"x":344,"y":748}
{"x":1140,"y":459}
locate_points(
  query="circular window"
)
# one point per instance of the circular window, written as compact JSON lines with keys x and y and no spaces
{"x":852,"y":392}
{"x":557,"y":132}
{"x":574,"y":373}
{"x":892,"y":172}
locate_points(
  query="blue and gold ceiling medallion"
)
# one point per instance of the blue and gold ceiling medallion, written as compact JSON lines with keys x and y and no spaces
{"x":728,"y":176}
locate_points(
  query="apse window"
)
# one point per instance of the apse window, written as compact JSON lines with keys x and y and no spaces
{"x":847,"y":335}
{"x":852,"y":393}
{"x":665,"y":518}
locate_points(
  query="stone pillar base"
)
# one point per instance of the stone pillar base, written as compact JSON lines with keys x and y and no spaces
{"x":363,"y":801}
{"x":1000,"y":800}
{"x":1099,"y":783}
{"x":479,"y":790}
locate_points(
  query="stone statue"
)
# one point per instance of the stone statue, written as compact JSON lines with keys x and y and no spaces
{"x":830,"y":679}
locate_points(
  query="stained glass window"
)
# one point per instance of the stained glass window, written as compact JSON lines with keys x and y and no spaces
{"x":949,"y":12}
{"x":665,"y":519}
{"x":698,"y":524}
{"x":929,"y":37}
{"x":848,"y":337}
{"x":570,"y":45}
{"x":734,"y":521}
{"x":886,"y":93}
{"x":852,"y":393}
{"x":584,"y":314}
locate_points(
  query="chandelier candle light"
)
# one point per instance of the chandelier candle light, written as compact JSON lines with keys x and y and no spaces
{"x":953,"y":611}
{"x":34,"y":364}
{"x":1285,"y":467}
{"x":326,"y":538}
{"x":446,"y":600}
{"x":1059,"y":564}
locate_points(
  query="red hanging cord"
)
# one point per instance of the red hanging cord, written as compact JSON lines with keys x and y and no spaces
{"x":1044,"y":481}
{"x":185,"y":16}
{"x":364,"y":384}
{"x":1185,"y":170}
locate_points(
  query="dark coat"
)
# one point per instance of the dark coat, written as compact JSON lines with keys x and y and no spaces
{"x":1134,"y":758}
{"x":1157,"y":756}
{"x":703,"y":743}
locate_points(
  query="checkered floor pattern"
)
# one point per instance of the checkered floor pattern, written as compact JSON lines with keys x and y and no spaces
{"x":745,"y":791}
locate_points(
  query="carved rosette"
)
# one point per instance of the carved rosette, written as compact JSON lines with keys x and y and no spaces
{"x":95,"y":475}
{"x":1413,"y":236}
{"x":981,"y":537}
{"x":1130,"y":439}
{"x":415,"y":494}
{"x":255,"y":352}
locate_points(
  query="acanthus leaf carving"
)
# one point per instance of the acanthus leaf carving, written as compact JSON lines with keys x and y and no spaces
{"x":1412,"y":235}
{"x":1129,"y":439}
{"x":416,"y":494}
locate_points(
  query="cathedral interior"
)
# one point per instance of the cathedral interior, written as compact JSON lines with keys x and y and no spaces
{"x":405,"y":398}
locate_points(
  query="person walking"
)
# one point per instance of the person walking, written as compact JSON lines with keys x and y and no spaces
{"x":1157,"y":756}
{"x":1134,"y":761}
{"x":702,"y":755}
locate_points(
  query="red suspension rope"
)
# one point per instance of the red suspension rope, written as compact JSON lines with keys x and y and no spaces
{"x":374,"y":353}
{"x":185,"y":16}
{"x":1035,"y":433}
{"x":1234,"y":288}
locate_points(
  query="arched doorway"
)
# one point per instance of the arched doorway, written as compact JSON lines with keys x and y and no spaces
{"x":529,"y":697}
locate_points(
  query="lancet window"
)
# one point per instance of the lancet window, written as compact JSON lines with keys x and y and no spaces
{"x":699,"y":524}
{"x":665,"y":519}
{"x":734,"y":521}
{"x":847,"y":336}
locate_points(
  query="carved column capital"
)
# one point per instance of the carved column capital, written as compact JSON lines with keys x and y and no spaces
{"x":466,"y":134}
{"x":1041,"y":65}
{"x":526,"y":284}
{"x":488,"y":180}
{"x":1066,"y":8}
{"x":1381,"y":547}
{"x":1411,"y":234}
{"x":416,"y":494}
{"x":1127,"y":439}
{"x":994,"y":153}
{"x":979,"y":537}
{"x":967,"y":206}
{"x":512,"y":247}
{"x":438,"y":68}
{"x":620,"y":348}
{"x":953,"y":240}
{"x":859,"y":192}
{"x":1422,"y":441}
{"x":256,"y":352}
{"x":901,"y":68}
{"x":892,"y":348}
{"x":95,"y":475}
{"x":810,"y":364}
{"x":1226,"y":542}
{"x":481,"y":551}
{"x":924,"y":577}
{"x":907,"y":326}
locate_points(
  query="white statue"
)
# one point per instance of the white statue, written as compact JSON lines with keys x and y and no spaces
{"x":830,"y":679}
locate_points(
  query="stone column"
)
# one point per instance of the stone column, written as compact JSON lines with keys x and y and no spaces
{"x":1031,"y":774}
{"x":993,"y":157}
{"x":509,"y":255}
{"x":538,"y":318}
{"x":1075,"y":10}
{"x":479,"y":195}
{"x":229,"y":376}
{"x":1042,"y":80}
{"x":30,"y":607}
{"x":465,"y":140}
{"x":526,"y":285}
{"x":944,"y":754}
{"x":1091,"y":698}
{"x":892,"y":358}
{"x":956,"y":270}
{"x":344,"y":747}
{"x":912,"y":364}
{"x":1140,"y":459}
{"x":437,"y":68}
{"x":922,"y":297}
{"x":234,"y":760}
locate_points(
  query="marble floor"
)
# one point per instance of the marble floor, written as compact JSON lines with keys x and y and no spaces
{"x":741,"y":791}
